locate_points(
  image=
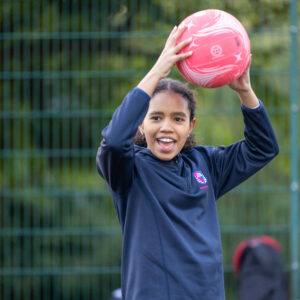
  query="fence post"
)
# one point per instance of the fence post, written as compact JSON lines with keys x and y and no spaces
{"x":294,"y":186}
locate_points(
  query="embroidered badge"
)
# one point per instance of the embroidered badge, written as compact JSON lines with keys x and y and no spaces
{"x":200,"y":177}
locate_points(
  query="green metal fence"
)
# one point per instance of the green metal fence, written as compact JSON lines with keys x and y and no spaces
{"x":64,"y":68}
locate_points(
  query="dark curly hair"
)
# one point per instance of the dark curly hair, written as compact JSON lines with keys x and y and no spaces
{"x":175,"y":86}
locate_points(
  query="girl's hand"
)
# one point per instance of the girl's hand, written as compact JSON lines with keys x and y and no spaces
{"x":244,"y":90}
{"x":242,"y":84}
{"x":170,"y":56}
{"x":167,"y":59}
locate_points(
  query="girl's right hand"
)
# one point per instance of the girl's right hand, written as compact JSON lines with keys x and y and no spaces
{"x":170,"y":54}
{"x":167,"y":59}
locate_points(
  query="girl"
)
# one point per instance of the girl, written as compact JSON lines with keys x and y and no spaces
{"x":165,"y":188}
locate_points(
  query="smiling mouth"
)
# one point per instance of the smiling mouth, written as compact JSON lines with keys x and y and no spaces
{"x":166,"y":144}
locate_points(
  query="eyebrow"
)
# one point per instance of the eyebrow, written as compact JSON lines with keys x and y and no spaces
{"x":177,"y":113}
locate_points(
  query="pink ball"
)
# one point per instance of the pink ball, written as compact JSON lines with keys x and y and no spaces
{"x":220,"y":45}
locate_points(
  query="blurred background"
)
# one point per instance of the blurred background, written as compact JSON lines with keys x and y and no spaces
{"x":65,"y":65}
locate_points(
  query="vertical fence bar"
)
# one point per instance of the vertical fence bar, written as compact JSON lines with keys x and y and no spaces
{"x":294,"y":187}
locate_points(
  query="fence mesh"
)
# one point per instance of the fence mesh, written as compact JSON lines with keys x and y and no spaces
{"x":64,"y":68}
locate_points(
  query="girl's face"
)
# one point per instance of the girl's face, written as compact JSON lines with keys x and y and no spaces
{"x":167,"y":124}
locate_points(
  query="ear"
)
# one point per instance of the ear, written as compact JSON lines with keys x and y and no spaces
{"x":141,"y":128}
{"x":192,"y":125}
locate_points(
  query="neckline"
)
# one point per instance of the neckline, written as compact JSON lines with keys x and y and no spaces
{"x":148,"y":154}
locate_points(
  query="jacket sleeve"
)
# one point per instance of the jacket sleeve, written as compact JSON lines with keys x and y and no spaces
{"x":115,"y":156}
{"x":233,"y":164}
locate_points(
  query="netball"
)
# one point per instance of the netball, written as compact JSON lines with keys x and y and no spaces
{"x":220,"y":45}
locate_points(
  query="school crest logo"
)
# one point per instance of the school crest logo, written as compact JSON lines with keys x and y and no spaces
{"x":200,"y":177}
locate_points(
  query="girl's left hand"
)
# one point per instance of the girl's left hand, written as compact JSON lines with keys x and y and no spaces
{"x":244,"y":90}
{"x":242,"y":84}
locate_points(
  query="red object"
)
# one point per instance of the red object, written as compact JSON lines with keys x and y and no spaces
{"x":220,"y":45}
{"x":264,"y":239}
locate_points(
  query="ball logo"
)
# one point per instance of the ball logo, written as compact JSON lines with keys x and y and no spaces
{"x":216,"y":50}
{"x":200,"y":177}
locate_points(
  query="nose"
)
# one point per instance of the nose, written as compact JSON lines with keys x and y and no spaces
{"x":166,"y":126}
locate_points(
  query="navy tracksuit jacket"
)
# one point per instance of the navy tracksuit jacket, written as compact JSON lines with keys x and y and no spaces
{"x":167,"y":209}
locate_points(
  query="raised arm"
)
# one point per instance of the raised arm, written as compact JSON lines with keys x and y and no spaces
{"x":115,"y":156}
{"x":235,"y":163}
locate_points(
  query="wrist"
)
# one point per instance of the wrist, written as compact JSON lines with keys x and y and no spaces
{"x":244,"y":93}
{"x":149,"y":82}
{"x":248,"y":98}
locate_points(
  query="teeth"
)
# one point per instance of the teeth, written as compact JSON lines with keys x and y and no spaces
{"x":166,"y":140}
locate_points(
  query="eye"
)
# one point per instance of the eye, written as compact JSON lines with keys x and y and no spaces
{"x":179,"y":119}
{"x":155,"y":118}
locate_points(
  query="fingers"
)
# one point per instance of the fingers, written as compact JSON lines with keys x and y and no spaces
{"x":246,"y":73}
{"x":249,"y":64}
{"x":171,"y":35}
{"x":250,"y":60}
{"x":185,"y":55}
{"x":177,"y":48}
{"x":171,"y":53}
{"x":175,"y":34}
{"x":182,"y":44}
{"x":178,"y":32}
